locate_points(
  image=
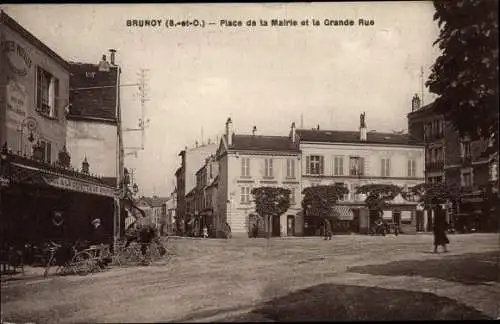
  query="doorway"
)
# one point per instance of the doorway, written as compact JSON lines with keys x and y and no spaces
{"x":290,"y":227}
{"x":276,"y":226}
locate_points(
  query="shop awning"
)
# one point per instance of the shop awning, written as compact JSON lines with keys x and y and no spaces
{"x":342,"y":213}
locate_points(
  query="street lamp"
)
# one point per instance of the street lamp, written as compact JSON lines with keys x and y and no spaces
{"x":31,"y":125}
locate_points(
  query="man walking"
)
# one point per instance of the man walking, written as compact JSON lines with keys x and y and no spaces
{"x":440,"y":227}
{"x":328,"y":230}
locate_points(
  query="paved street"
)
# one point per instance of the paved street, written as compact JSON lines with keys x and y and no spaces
{"x":349,"y":278}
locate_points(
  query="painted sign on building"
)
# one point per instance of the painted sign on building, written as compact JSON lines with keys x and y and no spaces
{"x":18,"y":57}
{"x":17,"y":102}
{"x":80,"y":186}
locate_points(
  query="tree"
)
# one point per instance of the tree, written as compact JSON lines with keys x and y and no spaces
{"x":465,"y":76}
{"x":271,"y":202}
{"x":377,"y":196}
{"x":319,"y":200}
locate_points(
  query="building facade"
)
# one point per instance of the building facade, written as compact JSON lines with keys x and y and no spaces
{"x":93,"y":117}
{"x":155,"y":209}
{"x":251,"y":161}
{"x":41,"y":197}
{"x":191,"y":161}
{"x":356,"y":158}
{"x":457,"y":163}
{"x":34,"y":83}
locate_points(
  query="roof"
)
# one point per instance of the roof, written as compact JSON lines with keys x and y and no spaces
{"x":263,"y":143}
{"x":214,"y":183}
{"x":14,"y":25}
{"x":154,"y":201}
{"x":335,"y":136}
{"x":96,"y":102}
{"x":423,"y":111}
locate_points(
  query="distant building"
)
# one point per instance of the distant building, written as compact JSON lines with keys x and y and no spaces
{"x":460,"y":164}
{"x":251,"y":161}
{"x":170,"y":215}
{"x":356,"y":158}
{"x":205,"y":200}
{"x":155,"y":209}
{"x":191,"y":161}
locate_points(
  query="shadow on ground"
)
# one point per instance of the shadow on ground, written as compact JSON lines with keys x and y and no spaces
{"x":469,"y":269}
{"x":329,"y":302}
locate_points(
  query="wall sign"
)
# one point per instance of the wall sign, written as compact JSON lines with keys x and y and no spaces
{"x":80,"y":186}
{"x":17,"y":102}
{"x":18,"y":58}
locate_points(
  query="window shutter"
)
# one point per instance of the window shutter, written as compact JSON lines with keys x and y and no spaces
{"x":388,"y":168}
{"x":243,"y":167}
{"x":49,"y":152}
{"x":270,"y":167}
{"x":409,"y":168}
{"x":56,"y":98}
{"x":361,"y":166}
{"x":248,"y":167}
{"x":308,"y":164}
{"x":321,"y":165}
{"x":38,"y":88}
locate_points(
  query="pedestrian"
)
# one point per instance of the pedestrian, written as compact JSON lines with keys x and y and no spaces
{"x":328,"y":230}
{"x":440,"y":227}
{"x":205,"y":232}
{"x":98,"y":237}
{"x":255,"y":230}
{"x":227,"y":230}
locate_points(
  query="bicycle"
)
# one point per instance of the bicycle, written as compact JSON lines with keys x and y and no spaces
{"x":134,"y":253}
{"x":81,"y":262}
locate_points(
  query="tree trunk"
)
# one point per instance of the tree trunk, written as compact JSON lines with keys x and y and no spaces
{"x":268,"y":226}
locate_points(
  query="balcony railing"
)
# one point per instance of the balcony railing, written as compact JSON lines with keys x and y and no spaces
{"x":434,"y":166}
{"x":467,"y":160}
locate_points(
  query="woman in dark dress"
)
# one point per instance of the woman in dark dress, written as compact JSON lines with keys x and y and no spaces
{"x":440,"y":227}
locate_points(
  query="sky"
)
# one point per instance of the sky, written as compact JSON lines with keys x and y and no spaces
{"x":263,"y":76}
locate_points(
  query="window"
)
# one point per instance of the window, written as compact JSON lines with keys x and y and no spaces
{"x":290,"y":168}
{"x":45,"y":151}
{"x":412,"y":168}
{"x":356,"y":166}
{"x":338,"y":168}
{"x":292,"y":196}
{"x":467,"y":179}
{"x":465,"y":149}
{"x":268,"y":166}
{"x":352,"y":191}
{"x":47,"y":93}
{"x":385,"y":167}
{"x":245,"y":167}
{"x":346,"y":196}
{"x":315,"y":164}
{"x":245,"y":195}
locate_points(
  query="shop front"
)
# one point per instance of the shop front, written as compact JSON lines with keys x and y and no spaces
{"x":43,"y":203}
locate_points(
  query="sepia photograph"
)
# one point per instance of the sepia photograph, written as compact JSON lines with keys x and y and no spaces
{"x":249,"y":162}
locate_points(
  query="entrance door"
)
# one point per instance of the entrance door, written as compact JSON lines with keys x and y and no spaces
{"x":276,"y":227}
{"x":290,"y":228}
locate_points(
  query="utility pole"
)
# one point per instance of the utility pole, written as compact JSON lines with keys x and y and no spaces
{"x":143,"y":122}
{"x":422,"y":85}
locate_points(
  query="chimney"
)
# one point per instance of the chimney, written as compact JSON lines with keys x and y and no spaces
{"x":254,"y":130}
{"x":293,"y":132}
{"x":103,"y":65}
{"x":229,"y":131}
{"x":415,"y":102}
{"x":362,"y":127}
{"x":112,"y":56}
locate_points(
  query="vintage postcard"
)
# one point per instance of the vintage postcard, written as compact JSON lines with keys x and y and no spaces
{"x":220,"y":162}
